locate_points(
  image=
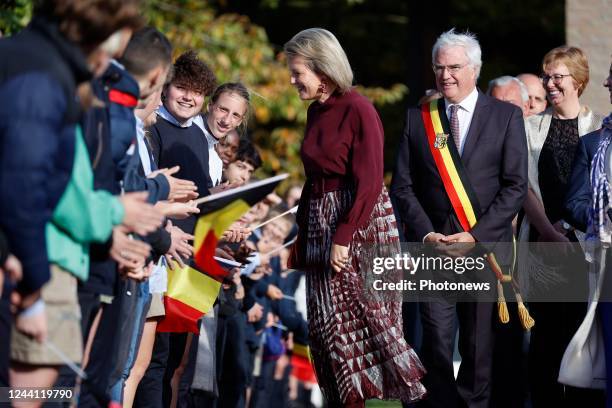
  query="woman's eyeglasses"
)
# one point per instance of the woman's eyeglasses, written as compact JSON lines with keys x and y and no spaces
{"x":556,"y":78}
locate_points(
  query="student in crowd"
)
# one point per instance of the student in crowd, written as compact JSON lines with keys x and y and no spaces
{"x":148,"y":57}
{"x":228,"y":146}
{"x":245,"y":162}
{"x":228,"y":110}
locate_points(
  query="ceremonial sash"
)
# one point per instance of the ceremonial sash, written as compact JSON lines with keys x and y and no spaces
{"x":455,"y":180}
{"x":448,"y":162}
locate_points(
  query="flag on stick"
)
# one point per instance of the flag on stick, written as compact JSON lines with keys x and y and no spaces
{"x":190,"y":295}
{"x":192,"y":290}
{"x":301,"y":364}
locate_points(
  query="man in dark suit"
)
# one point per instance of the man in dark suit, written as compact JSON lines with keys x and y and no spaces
{"x":489,"y":136}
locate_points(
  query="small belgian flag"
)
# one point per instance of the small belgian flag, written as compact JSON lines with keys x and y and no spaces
{"x":193,"y":289}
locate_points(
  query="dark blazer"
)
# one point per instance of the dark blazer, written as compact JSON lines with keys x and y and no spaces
{"x":578,"y":198}
{"x":495,"y":161}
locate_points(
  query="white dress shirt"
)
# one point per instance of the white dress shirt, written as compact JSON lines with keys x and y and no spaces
{"x":465,"y":113}
{"x":215,"y":164}
{"x":143,"y":152}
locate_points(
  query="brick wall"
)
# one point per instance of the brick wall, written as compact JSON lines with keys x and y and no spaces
{"x":588,"y":25}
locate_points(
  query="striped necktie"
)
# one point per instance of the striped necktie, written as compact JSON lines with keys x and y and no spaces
{"x":455,"y":129}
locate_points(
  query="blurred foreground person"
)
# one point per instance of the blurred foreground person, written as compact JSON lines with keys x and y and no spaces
{"x":44,"y":70}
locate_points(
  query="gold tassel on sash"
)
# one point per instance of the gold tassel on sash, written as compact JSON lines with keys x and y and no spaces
{"x":526,"y":320}
{"x":502,"y":307}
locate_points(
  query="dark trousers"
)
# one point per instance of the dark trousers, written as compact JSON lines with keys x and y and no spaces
{"x":234,"y":371}
{"x":605,"y":314}
{"x":6,"y":320}
{"x":473,"y":386}
{"x":102,"y":358}
{"x":184,"y":395}
{"x":556,"y":324}
{"x":111,"y":346}
{"x":413,"y":332}
{"x":176,"y":348}
{"x":150,"y":390}
{"x":262,"y":392}
{"x":509,"y":380}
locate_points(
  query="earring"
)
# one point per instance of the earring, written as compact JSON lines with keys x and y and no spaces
{"x":323,"y":87}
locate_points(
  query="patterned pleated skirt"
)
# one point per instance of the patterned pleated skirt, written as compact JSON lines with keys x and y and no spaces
{"x":356,"y":341}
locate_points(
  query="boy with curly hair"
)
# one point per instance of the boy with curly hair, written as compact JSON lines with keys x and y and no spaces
{"x":175,"y":139}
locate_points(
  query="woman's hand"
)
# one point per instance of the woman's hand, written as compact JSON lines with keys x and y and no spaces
{"x":339,"y":257}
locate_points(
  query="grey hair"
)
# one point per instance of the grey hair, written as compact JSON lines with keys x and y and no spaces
{"x":467,"y":40}
{"x":323,"y":55}
{"x":506,"y":80}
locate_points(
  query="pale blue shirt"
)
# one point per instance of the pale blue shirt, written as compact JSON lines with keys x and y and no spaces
{"x":163,"y":112}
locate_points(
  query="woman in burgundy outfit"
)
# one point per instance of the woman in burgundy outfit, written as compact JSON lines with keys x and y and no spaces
{"x":356,"y":341}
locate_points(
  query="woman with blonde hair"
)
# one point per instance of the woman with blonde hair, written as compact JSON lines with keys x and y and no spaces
{"x":357,"y":342}
{"x":552,"y":138}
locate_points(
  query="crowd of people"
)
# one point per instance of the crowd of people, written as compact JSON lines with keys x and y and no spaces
{"x":108,"y":143}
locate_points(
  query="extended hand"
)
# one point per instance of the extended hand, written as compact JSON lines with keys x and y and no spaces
{"x":222,"y":187}
{"x":180,"y":189}
{"x":255,"y":313}
{"x":141,"y":273}
{"x":128,"y":252}
{"x":140,"y":217}
{"x":179,"y":248}
{"x":176,"y":209}
{"x":274,"y":292}
{"x":236,"y":234}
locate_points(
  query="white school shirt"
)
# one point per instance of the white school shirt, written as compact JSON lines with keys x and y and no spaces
{"x":215,"y":164}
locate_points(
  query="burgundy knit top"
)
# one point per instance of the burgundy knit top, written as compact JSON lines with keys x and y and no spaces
{"x":344,"y":138}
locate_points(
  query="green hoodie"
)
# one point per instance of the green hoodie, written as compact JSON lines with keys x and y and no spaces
{"x":81,"y":217}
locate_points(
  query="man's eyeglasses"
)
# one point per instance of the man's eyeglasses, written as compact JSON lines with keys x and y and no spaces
{"x":556,"y":78}
{"x":452,"y":69}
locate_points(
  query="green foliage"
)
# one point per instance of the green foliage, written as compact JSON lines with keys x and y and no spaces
{"x":14,"y":15}
{"x":237,"y":49}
